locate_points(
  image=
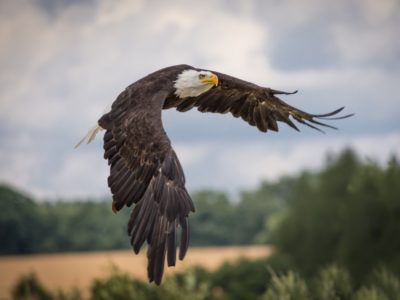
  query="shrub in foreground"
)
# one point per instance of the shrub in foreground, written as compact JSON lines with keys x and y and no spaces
{"x":289,"y":286}
{"x":240,"y":280}
{"x":29,"y":287}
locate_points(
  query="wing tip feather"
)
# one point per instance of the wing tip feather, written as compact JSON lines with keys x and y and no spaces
{"x":306,"y":119}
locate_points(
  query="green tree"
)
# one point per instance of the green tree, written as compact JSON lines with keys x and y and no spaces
{"x":348,"y":213}
{"x":20,"y":223}
{"x":287,"y":287}
{"x":212,"y":222}
{"x":254,"y":209}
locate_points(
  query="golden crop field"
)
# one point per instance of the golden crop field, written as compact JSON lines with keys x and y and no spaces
{"x":64,"y":271}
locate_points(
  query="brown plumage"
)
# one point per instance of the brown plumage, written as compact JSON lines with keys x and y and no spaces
{"x":144,"y":169}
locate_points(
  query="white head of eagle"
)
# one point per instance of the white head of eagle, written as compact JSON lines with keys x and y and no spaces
{"x":192,"y":83}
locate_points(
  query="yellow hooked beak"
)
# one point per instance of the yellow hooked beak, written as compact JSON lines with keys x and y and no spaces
{"x":210,"y":79}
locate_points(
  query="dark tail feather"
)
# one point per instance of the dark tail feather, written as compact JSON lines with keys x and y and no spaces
{"x":184,"y":244}
{"x":168,"y":207}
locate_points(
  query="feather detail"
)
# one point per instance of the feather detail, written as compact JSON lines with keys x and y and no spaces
{"x":90,"y":136}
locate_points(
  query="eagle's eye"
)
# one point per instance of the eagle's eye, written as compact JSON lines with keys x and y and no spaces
{"x":201,"y":76}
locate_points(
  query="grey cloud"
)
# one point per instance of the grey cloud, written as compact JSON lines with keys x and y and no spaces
{"x":55,"y":7}
{"x":237,"y":165}
{"x":304,"y":47}
{"x":62,"y":63}
{"x":311,"y":34}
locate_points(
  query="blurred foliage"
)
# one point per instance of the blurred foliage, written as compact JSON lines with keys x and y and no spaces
{"x":333,"y":283}
{"x":61,"y":226}
{"x":73,"y":294}
{"x":348,"y":213}
{"x":336,"y":234}
{"x":289,"y":286}
{"x":244,"y":279}
{"x":386,"y":282}
{"x":120,"y":286}
{"x":27,"y":226}
{"x":330,"y":283}
{"x":20,"y":223}
{"x":29,"y":287}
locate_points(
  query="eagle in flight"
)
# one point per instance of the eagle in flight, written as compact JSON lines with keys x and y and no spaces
{"x":144,"y":168}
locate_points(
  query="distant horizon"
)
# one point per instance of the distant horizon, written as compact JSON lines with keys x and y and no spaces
{"x":232,"y":195}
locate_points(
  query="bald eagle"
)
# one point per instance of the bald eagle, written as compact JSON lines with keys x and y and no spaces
{"x":144,"y":168}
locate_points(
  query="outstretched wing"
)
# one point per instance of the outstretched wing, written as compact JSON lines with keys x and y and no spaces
{"x":257,"y":105}
{"x":145,"y":171}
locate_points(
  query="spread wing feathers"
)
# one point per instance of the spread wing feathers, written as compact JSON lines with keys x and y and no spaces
{"x":164,"y":206}
{"x":256,"y":105}
{"x":145,"y":170}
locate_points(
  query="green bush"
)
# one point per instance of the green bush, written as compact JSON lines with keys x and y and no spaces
{"x":29,"y":287}
{"x":381,"y":283}
{"x":369,"y":293}
{"x":333,"y":283}
{"x":243,"y":279}
{"x":73,"y":294}
{"x":120,"y":286}
{"x":188,"y":285}
{"x":287,"y":287}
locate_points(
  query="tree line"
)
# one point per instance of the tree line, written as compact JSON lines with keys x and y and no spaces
{"x":29,"y":226}
{"x":346,"y":215}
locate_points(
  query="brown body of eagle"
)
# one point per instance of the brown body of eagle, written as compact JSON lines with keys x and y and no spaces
{"x":144,"y":169}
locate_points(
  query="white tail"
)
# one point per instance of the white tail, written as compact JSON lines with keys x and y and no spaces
{"x":89,"y":137}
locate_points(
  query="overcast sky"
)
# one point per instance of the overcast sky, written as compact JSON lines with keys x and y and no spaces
{"x":63,"y":62}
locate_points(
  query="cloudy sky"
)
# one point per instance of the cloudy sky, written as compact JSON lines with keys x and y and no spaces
{"x":62,"y":62}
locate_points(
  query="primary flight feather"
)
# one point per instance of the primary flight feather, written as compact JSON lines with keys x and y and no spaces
{"x":144,"y":169}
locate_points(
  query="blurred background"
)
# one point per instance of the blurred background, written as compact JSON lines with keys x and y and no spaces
{"x":313,"y":215}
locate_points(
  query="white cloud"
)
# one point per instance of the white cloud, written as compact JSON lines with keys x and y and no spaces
{"x":189,"y":155}
{"x":381,"y":41}
{"x":56,"y":66}
{"x":236,"y":165}
{"x":82,"y":173}
{"x":58,"y":73}
{"x":112,"y":12}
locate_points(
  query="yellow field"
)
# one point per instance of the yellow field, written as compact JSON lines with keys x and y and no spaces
{"x":63,"y":271}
